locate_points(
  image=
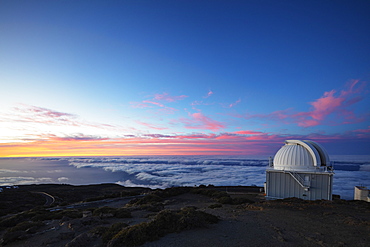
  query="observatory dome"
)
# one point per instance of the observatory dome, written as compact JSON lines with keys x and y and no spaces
{"x":298,"y":155}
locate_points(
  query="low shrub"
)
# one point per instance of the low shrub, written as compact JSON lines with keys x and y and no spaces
{"x":20,"y":231}
{"x":47,"y":215}
{"x":192,"y":218}
{"x":122,"y":213}
{"x":28,"y":226}
{"x":163,"y":223}
{"x":150,"y":198}
{"x":241,"y":200}
{"x":174,"y":191}
{"x":159,"y":195}
{"x":108,"y":233}
{"x":11,"y":221}
{"x":116,"y":212}
{"x":215,"y":194}
{"x":225,"y":200}
{"x":103,"y":210}
{"x":153,"y":207}
{"x":99,"y":230}
{"x":217,"y":205}
{"x":10,"y":237}
{"x":72,"y":213}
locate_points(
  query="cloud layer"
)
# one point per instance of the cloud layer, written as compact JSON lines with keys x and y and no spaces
{"x":167,"y":171}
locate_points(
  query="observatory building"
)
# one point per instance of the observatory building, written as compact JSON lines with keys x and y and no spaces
{"x":300,"y":169}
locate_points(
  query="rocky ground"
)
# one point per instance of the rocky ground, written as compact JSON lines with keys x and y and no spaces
{"x":244,"y":220}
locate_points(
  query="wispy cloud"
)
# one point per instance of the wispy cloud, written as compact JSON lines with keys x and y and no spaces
{"x":139,"y":105}
{"x":28,"y":123}
{"x":43,"y":112}
{"x":151,"y":126}
{"x":330,"y":109}
{"x":75,"y":137}
{"x":34,"y":114}
{"x":154,"y":102}
{"x":200,"y":121}
{"x":331,"y":103}
{"x":169,"y":98}
{"x":248,"y":132}
{"x":209,"y":94}
{"x":235,"y":103}
{"x":28,"y":113}
{"x":363,"y":130}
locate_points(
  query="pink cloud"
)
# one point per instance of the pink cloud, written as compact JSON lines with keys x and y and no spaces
{"x":363,"y":130}
{"x":208,"y":94}
{"x":169,"y":98}
{"x":248,"y":132}
{"x":196,"y":102}
{"x":331,"y":109}
{"x":139,"y":105}
{"x":276,"y":115}
{"x":235,"y":103}
{"x":199,"y":121}
{"x":43,"y":112}
{"x":34,"y":114}
{"x":195,"y":136}
{"x":40,"y":115}
{"x":151,"y":126}
{"x":362,"y":133}
{"x":330,"y":104}
{"x":154,"y":103}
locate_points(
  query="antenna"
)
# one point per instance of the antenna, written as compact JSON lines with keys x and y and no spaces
{"x":271,"y":164}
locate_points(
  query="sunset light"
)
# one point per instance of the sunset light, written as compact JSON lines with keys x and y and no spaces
{"x":182,"y":78}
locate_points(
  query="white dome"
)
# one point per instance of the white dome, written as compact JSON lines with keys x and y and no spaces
{"x":298,"y":155}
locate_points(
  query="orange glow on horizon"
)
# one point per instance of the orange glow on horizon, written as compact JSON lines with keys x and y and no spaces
{"x":56,"y":147}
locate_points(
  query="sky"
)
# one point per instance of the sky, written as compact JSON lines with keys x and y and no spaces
{"x":140,"y":77}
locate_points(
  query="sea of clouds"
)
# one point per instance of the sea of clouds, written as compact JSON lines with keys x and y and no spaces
{"x":168,"y":171}
{"x":183,"y":171}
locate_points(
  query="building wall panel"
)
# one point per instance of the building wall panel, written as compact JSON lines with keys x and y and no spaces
{"x":283,"y":185}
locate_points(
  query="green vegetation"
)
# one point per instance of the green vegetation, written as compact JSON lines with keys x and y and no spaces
{"x":47,"y":215}
{"x":221,"y":196}
{"x":27,"y":213}
{"x":107,"y":233}
{"x":37,"y":215}
{"x":28,"y":226}
{"x":154,"y":201}
{"x":215,"y":194}
{"x":23,"y":198}
{"x":16,"y":200}
{"x":21,"y":231}
{"x":217,"y":205}
{"x":163,"y":223}
{"x":116,"y":212}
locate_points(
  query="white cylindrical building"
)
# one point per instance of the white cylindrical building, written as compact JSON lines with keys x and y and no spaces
{"x":300,"y":169}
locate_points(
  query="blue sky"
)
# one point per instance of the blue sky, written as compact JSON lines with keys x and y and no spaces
{"x":114,"y":76}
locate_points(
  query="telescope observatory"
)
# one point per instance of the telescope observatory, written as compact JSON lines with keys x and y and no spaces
{"x":300,"y":169}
